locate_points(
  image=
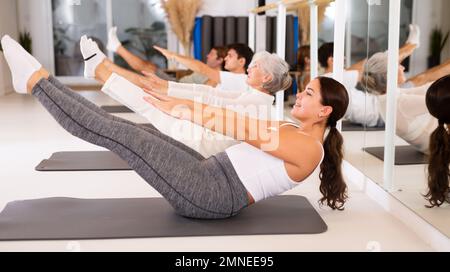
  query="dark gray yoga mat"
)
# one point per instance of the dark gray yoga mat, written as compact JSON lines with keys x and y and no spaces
{"x":116,"y":109}
{"x":83,"y":161}
{"x":71,"y":218}
{"x":404,"y":155}
{"x":349,"y":126}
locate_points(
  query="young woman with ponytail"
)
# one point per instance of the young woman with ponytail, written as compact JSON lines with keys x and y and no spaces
{"x":272,"y":158}
{"x":268,"y":165}
{"x":438,"y":101}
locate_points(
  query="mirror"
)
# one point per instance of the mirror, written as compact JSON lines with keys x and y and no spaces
{"x":413,"y":123}
{"x":139,"y":33}
{"x":356,"y":119}
{"x":70,"y":22}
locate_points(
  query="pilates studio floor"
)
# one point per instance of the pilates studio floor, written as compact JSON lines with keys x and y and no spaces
{"x":29,"y":134}
{"x":410,"y":180}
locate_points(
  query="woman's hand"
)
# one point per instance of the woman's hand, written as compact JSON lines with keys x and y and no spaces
{"x":151,"y":82}
{"x":169,"y":55}
{"x":178,"y":108}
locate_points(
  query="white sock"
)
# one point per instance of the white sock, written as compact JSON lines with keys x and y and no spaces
{"x":414,"y":35}
{"x":113,"y":41}
{"x":92,"y":56}
{"x":21,"y":63}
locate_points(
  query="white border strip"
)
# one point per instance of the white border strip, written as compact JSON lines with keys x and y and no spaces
{"x":392,"y":83}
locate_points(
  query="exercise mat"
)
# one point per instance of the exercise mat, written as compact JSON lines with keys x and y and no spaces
{"x":404,"y":155}
{"x":72,"y":218}
{"x":116,"y":109}
{"x":349,"y":126}
{"x":83,"y":161}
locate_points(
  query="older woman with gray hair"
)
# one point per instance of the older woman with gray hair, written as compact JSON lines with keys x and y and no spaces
{"x":267,"y":74}
{"x":414,"y":122}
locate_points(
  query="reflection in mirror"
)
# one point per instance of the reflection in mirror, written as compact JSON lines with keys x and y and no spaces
{"x":70,"y":22}
{"x":414,"y":123}
{"x":356,"y":119}
{"x":139,"y":33}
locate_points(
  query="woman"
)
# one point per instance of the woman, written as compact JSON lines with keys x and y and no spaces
{"x":222,"y":185}
{"x":437,"y":101}
{"x":214,"y":60}
{"x":267,"y":75}
{"x":414,"y":123}
{"x":363,"y":108}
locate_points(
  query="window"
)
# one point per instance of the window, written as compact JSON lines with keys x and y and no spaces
{"x":140,"y":26}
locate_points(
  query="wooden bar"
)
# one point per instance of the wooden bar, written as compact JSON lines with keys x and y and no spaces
{"x":304,"y":5}
{"x":264,"y":8}
{"x":297,"y":3}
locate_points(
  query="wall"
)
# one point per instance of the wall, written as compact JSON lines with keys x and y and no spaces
{"x":445,"y":22}
{"x":427,"y":14}
{"x":227,"y":7}
{"x":8,"y":25}
{"x":35,"y":16}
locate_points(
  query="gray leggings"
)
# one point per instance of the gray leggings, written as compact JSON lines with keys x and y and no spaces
{"x":195,"y":187}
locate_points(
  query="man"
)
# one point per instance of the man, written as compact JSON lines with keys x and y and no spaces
{"x":237,"y":60}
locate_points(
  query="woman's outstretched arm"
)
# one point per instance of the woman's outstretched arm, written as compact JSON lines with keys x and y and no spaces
{"x":283,"y":143}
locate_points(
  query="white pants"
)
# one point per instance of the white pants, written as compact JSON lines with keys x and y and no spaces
{"x":202,"y":140}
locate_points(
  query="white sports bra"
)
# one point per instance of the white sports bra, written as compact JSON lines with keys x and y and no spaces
{"x":263,"y":175}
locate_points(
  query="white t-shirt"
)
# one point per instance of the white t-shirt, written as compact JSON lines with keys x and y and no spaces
{"x":248,"y":100}
{"x":350,"y":78}
{"x":362,"y":108}
{"x":232,"y":81}
{"x":414,"y":122}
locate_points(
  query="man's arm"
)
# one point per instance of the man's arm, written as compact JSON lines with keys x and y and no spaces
{"x":193,"y":64}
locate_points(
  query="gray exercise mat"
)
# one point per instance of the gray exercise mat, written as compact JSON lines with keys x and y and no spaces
{"x":73,"y":219}
{"x":83,"y":161}
{"x":404,"y":155}
{"x":349,"y":126}
{"x":116,"y":109}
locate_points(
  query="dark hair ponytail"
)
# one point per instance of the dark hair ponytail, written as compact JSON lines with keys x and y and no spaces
{"x":438,"y":168}
{"x":332,"y":184}
{"x":437,"y":100}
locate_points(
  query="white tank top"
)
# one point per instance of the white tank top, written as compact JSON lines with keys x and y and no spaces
{"x":263,"y":175}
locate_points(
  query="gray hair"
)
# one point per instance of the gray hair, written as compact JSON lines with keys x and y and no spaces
{"x":374,"y":79}
{"x":277,"y":68}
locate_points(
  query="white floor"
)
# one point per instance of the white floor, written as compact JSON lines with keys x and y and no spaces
{"x":28,"y":134}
